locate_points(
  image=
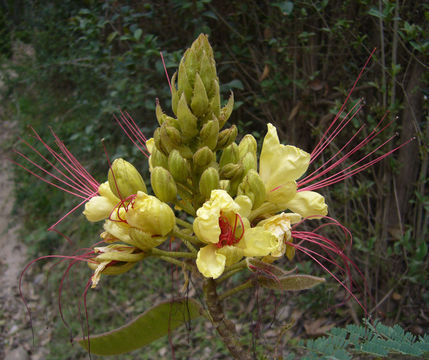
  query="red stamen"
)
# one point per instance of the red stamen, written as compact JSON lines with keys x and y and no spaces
{"x":166,"y":72}
{"x":227,"y":233}
{"x":133,"y":132}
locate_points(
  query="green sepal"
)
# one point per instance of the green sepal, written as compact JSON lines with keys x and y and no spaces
{"x":153,"y":324}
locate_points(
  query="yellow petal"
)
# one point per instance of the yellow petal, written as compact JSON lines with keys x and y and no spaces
{"x":150,"y":143}
{"x":279,"y":163}
{"x":245,"y":205}
{"x":308,"y":203}
{"x":209,"y":262}
{"x":281,"y":195}
{"x":98,"y":208}
{"x":258,"y":242}
{"x":280,"y":226}
{"x":206,"y":224}
{"x":104,"y":190}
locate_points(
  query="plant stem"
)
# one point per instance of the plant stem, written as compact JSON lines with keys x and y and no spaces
{"x":177,"y":262}
{"x":180,"y":234}
{"x":183,"y":223}
{"x":248,"y":284}
{"x":225,"y":328}
{"x":173,"y":254}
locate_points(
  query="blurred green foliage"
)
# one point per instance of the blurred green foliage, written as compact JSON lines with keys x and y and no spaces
{"x":77,"y":63}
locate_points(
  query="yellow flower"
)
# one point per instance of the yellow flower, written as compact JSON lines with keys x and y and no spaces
{"x":99,"y":207}
{"x":280,"y":226}
{"x":220,"y":225}
{"x":113,"y":260}
{"x":279,"y":168}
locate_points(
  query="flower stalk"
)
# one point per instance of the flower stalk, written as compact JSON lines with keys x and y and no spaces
{"x":224,"y":327}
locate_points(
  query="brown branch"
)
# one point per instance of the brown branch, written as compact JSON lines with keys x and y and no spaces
{"x":225,"y":328}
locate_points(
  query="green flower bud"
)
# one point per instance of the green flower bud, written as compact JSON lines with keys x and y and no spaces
{"x":163,"y":118}
{"x":229,"y":155}
{"x":158,"y":143}
{"x":144,"y":240}
{"x":224,"y":185}
{"x":124,"y":179}
{"x":249,"y":162}
{"x":208,"y":72}
{"x":209,"y":181}
{"x":231,"y":171}
{"x":209,"y":134}
{"x":247,"y":144}
{"x":215,"y":100}
{"x":253,"y":187}
{"x":175,"y":94}
{"x":171,"y":136}
{"x":200,"y":101}
{"x":226,"y":137}
{"x":163,"y":184}
{"x":187,"y":120}
{"x":203,"y":157}
{"x":178,"y":166}
{"x":226,"y":111}
{"x":150,"y":215}
{"x":157,"y":158}
{"x":183,"y":82}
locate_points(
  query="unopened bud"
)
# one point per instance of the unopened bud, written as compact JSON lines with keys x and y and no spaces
{"x":253,"y":187}
{"x":247,"y":144}
{"x":124,"y":179}
{"x":170,"y":135}
{"x":226,"y":111}
{"x":187,"y":120}
{"x":226,"y":137}
{"x":215,"y":100}
{"x":229,"y":155}
{"x":209,"y":134}
{"x":158,"y":142}
{"x":163,"y":184}
{"x":151,"y":215}
{"x":208,"y":71}
{"x":200,"y":101}
{"x":230,"y":171}
{"x":224,"y":185}
{"x":183,"y":83}
{"x":209,"y":181}
{"x":178,"y":166}
{"x":157,"y":158}
{"x":175,"y":95}
{"x":203,"y":157}
{"x":249,"y":162}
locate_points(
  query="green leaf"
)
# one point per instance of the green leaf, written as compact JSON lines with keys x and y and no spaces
{"x":147,"y":327}
{"x":137,"y":34}
{"x":285,"y":7}
{"x":291,"y":282}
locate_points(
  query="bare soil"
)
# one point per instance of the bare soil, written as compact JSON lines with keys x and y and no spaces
{"x":16,"y":339}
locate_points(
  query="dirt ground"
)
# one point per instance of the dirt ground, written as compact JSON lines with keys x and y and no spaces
{"x":16,"y":340}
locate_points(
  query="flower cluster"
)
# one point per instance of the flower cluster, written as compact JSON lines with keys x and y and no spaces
{"x":225,"y":200}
